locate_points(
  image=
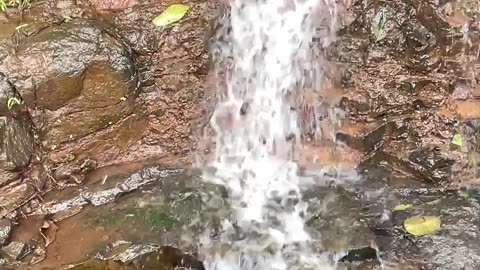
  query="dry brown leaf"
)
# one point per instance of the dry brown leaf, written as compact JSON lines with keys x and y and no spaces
{"x":49,"y":232}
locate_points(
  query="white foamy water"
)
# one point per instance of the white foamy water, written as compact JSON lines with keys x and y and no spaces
{"x":266,"y":54}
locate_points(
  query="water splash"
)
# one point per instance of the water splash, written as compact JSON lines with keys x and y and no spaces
{"x":264,"y":48}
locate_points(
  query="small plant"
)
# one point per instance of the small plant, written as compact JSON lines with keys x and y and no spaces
{"x":3,"y":5}
{"x":19,"y":2}
{"x":13,"y":3}
{"x":67,"y":17}
{"x":12,"y":102}
{"x":378,"y":25}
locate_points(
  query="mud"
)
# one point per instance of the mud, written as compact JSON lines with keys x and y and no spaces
{"x":93,"y":97}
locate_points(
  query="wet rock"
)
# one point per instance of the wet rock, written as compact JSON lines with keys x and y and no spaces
{"x":74,"y":173}
{"x":7,"y":177}
{"x":432,"y":164}
{"x":108,"y":195}
{"x":160,"y":258}
{"x":112,"y":5}
{"x":461,"y":91}
{"x":80,"y":78}
{"x":361,"y":254}
{"x":17,"y":142}
{"x":175,"y":71}
{"x":69,"y":212}
{"x":5,"y":230}
{"x":158,"y":207}
{"x":389,"y":84}
{"x":141,"y":39}
{"x":356,"y":103}
{"x":16,"y":132}
{"x":455,"y":246}
{"x":37,"y":176}
{"x":340,"y":224}
{"x":14,"y":195}
{"x":17,"y":250}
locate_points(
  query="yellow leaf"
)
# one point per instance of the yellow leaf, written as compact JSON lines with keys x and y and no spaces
{"x":402,"y":207}
{"x":422,"y":225}
{"x":171,"y":15}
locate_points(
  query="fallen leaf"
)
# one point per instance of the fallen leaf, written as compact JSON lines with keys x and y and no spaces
{"x":422,"y":225}
{"x":402,"y":207}
{"x":171,"y":15}
{"x":457,"y":140}
{"x":49,"y":231}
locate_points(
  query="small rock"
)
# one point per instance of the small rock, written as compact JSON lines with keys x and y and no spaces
{"x":360,"y":254}
{"x":461,"y":91}
{"x":17,"y":250}
{"x":5,"y":230}
{"x":13,"y":196}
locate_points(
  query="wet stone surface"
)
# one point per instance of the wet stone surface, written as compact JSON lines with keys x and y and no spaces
{"x":79,"y":68}
{"x":108,"y":87}
{"x":152,"y":206}
{"x":361,"y":222}
{"x":6,"y":227}
{"x":17,"y":250}
{"x":407,"y":81}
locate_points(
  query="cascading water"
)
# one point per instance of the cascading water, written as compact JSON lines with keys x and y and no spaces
{"x":265,"y":56}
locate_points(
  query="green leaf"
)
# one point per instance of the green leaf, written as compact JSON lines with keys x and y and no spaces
{"x":457,"y":139}
{"x":402,"y":207}
{"x":422,"y":225}
{"x":378,"y":25}
{"x":12,"y":101}
{"x":171,"y":15}
{"x":3,"y":6}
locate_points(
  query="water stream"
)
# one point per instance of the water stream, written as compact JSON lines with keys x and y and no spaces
{"x":268,"y":45}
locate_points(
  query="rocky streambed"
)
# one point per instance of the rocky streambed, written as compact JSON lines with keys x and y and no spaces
{"x":100,"y":111}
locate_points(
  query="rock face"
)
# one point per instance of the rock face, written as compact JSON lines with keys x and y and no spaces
{"x":16,"y":133}
{"x":408,"y":80}
{"x":77,"y":78}
{"x":5,"y":230}
{"x":17,"y":147}
{"x":174,"y":66}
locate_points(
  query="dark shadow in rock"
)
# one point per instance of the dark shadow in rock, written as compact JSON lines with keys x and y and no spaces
{"x":361,"y":254}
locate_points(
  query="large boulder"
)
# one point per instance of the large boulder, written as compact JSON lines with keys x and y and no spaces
{"x":77,"y":78}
